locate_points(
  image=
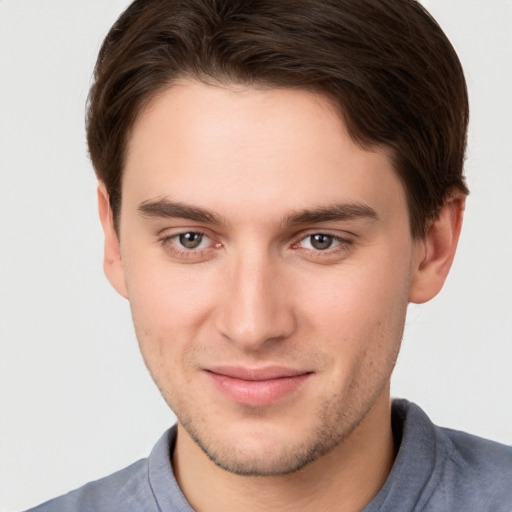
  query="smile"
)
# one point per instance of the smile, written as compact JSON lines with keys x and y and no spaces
{"x":257,"y":387}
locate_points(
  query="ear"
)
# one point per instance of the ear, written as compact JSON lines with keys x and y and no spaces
{"x":112,"y":263}
{"x":435,"y":252}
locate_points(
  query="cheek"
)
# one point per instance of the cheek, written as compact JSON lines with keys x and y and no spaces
{"x":162,"y":295}
{"x":361,"y":305}
{"x":361,"y":324}
{"x":168,"y":308}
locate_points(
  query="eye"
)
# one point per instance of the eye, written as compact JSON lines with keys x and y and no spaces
{"x":190,"y":246}
{"x":191,"y":240}
{"x":319,"y":241}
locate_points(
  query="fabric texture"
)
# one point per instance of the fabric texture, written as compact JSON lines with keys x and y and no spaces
{"x":436,"y":470}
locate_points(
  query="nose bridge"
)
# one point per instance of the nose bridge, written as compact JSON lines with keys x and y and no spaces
{"x":255,"y":309}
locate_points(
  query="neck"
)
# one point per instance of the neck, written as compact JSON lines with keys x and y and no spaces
{"x":345,"y":479}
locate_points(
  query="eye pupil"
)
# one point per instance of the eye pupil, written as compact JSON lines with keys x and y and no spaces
{"x":320,"y":241}
{"x":191,"y":240}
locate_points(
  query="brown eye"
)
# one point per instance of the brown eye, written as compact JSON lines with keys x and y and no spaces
{"x":320,"y":241}
{"x":190,"y":240}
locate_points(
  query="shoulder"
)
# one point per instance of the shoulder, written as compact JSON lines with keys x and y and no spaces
{"x":477,"y":465}
{"x":128,"y":488}
{"x":148,"y":485}
{"x":450,"y":469}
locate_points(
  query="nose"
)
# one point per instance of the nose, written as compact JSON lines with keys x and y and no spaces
{"x":255,"y":308}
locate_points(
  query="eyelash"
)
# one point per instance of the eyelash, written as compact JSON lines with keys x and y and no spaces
{"x":171,"y":245}
{"x":340,"y":242}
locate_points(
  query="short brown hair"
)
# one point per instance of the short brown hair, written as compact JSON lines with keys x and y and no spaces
{"x":386,"y":64}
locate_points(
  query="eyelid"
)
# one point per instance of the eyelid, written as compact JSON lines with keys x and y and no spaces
{"x":181,"y":227}
{"x":344,"y":237}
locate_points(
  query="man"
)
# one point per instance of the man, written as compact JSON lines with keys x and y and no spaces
{"x":278,"y":180}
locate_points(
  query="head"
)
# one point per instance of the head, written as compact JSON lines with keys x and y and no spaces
{"x":278,"y":179}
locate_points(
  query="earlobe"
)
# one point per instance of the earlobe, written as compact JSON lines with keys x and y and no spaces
{"x":435,"y":252}
{"x":112,"y":262}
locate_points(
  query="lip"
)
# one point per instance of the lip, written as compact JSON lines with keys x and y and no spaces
{"x":257,"y":387}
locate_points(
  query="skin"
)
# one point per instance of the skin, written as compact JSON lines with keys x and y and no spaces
{"x":245,"y":169}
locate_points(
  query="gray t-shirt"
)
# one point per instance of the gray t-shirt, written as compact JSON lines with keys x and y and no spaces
{"x":436,"y":470}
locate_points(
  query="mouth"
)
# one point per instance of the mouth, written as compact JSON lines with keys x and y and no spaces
{"x":257,"y":387}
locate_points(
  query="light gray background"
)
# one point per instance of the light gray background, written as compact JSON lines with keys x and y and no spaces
{"x":76,"y":401}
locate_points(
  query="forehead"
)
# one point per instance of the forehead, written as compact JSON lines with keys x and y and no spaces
{"x":242,"y":149}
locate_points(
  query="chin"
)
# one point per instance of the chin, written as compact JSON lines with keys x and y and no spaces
{"x":265,"y":450}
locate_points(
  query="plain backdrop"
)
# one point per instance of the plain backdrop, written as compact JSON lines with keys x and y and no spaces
{"x":76,"y":402}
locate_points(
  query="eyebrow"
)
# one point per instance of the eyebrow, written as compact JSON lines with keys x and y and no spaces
{"x":340,"y":212}
{"x":163,"y":208}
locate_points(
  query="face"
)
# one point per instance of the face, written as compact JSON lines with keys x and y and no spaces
{"x":267,"y":259}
